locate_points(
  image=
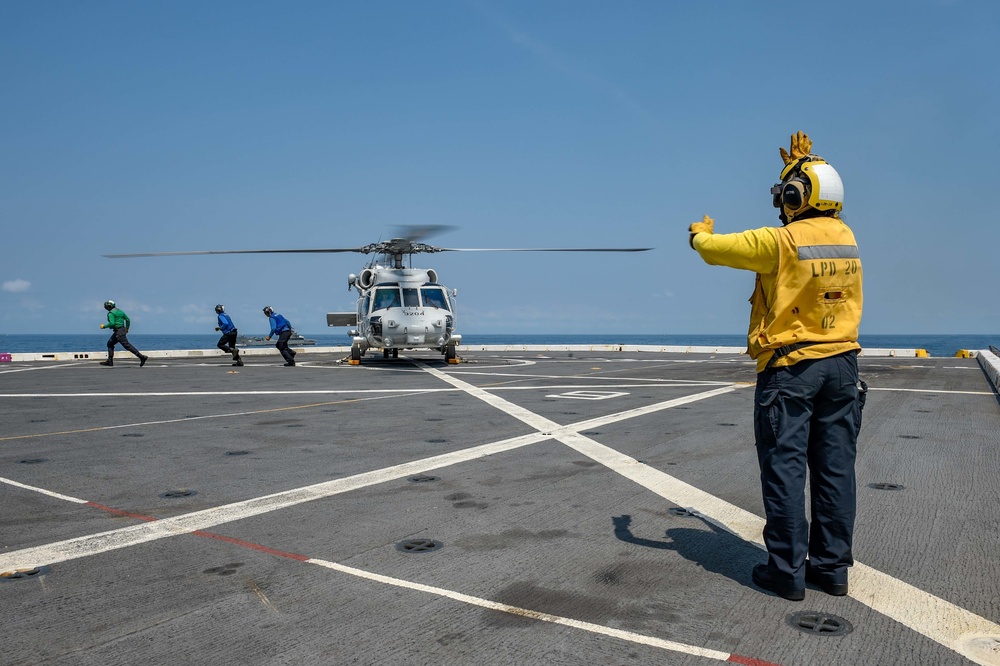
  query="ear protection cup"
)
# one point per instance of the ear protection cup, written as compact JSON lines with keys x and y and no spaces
{"x":791,"y":195}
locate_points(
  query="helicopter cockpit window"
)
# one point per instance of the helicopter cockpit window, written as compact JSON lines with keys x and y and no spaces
{"x":410,"y":298}
{"x":386,"y":297}
{"x":434,"y":298}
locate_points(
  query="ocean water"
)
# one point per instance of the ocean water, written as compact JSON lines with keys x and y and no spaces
{"x":936,"y":345}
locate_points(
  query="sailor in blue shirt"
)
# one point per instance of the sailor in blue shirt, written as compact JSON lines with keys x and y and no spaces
{"x":227,"y":342}
{"x":283,"y":328}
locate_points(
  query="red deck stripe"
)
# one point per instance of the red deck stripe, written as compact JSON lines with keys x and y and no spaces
{"x":733,"y":658}
{"x":119,"y":512}
{"x":254,"y":546}
{"x":749,"y":661}
{"x":209,"y":535}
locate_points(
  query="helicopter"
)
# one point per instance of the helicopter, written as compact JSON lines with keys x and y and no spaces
{"x":398,"y":306}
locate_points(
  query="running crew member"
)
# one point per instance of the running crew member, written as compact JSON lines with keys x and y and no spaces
{"x":227,"y":342}
{"x":119,"y":323}
{"x":283,"y":329}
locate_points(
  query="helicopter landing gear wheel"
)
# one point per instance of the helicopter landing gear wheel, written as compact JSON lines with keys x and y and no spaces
{"x":395,"y":353}
{"x":355,"y":355}
{"x":451,"y":354}
{"x":385,"y":353}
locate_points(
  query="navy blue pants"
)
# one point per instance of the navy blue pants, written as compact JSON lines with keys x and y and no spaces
{"x":227,"y":343}
{"x":282,"y":346}
{"x":806,"y":419}
{"x":120,"y":336}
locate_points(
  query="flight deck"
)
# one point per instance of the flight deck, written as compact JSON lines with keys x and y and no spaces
{"x":524,"y":506}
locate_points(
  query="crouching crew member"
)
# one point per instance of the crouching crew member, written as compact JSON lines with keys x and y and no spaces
{"x":227,"y":342}
{"x":804,"y":317}
{"x":119,"y":323}
{"x":283,"y":329}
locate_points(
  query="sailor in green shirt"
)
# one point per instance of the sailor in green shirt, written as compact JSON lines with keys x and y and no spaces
{"x":119,"y":322}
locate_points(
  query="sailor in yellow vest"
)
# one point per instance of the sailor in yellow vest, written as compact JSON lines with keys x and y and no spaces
{"x":804,"y":317}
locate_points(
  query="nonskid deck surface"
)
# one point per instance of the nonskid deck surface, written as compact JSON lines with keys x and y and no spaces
{"x":519,"y":507}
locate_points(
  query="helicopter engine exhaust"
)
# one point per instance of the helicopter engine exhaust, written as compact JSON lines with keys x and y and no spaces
{"x":367,"y":278}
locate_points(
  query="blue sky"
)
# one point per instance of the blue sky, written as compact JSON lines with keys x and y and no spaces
{"x":170,"y":126}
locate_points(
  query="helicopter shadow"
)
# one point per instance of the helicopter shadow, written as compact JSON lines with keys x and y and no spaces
{"x":716,"y":550}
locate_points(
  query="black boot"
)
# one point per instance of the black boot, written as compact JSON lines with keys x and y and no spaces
{"x":108,"y":363}
{"x":142,"y":360}
{"x":761,"y":577}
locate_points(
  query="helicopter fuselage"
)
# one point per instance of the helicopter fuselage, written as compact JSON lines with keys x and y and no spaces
{"x":402,"y":308}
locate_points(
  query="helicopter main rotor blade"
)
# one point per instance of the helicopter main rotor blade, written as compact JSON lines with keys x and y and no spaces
{"x":543,"y":249}
{"x":175,"y":254}
{"x":417,"y":232}
{"x":395,"y":246}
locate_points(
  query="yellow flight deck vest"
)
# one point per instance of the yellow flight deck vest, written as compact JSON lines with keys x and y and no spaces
{"x":814,"y":296}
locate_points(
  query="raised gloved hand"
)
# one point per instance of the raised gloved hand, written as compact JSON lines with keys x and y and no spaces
{"x":268,"y":338}
{"x":707,"y":225}
{"x":217,"y":328}
{"x":103,"y":325}
{"x":800,"y":146}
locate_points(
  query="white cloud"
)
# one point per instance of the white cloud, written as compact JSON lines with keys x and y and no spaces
{"x":30,"y":305}
{"x":16,"y":286}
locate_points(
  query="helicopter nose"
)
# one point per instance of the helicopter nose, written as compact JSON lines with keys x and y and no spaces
{"x":415,"y":335}
{"x":421,"y":331}
{"x":408,"y":329}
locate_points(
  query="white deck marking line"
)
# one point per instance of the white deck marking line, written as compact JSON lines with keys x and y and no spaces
{"x":269,"y":410}
{"x":43,"y":491}
{"x":41,"y":367}
{"x":595,"y":377}
{"x":906,"y":390}
{"x":95,"y":544}
{"x":524,"y":612}
{"x":594,"y":387}
{"x":744,"y":524}
{"x":545,"y":425}
{"x":476,"y":601}
{"x":132,"y":535}
{"x":940,"y":620}
{"x":175,"y":394}
{"x":213,"y":393}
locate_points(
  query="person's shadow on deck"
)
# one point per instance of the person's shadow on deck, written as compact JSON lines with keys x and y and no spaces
{"x":717,"y":551}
